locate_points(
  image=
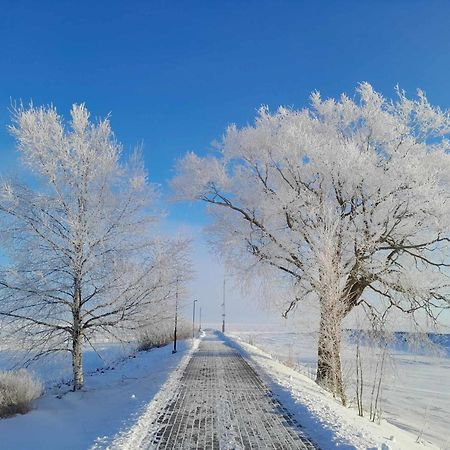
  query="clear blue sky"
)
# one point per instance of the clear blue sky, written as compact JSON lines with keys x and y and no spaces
{"x":174,"y":74}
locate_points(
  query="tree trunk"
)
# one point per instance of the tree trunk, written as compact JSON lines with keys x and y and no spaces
{"x":77,"y":362}
{"x":329,"y":372}
{"x":77,"y":338}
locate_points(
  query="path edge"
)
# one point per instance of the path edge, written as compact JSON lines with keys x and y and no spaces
{"x":133,"y":437}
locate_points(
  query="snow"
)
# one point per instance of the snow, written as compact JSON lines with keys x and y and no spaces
{"x":133,"y":437}
{"x":112,"y":400}
{"x":121,"y":399}
{"x":411,"y":403}
{"x":56,"y":371}
{"x":219,"y":402}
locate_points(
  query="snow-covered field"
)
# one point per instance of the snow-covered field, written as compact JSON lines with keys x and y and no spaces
{"x":416,"y":390}
{"x":113,"y":399}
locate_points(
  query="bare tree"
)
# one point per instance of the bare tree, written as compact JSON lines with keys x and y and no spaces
{"x":376,"y":168}
{"x":82,"y":255}
{"x":374,"y":342}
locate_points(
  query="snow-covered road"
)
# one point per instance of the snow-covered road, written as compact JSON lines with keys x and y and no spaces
{"x":222,"y":403}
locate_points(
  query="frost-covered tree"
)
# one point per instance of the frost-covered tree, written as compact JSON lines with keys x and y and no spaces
{"x":82,"y":257}
{"x":347,"y":202}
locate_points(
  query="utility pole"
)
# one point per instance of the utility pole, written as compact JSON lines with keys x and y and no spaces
{"x":223,"y":307}
{"x":193,"y":320}
{"x":176,"y":322}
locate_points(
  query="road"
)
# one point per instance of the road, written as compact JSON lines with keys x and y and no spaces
{"x":223,"y":404}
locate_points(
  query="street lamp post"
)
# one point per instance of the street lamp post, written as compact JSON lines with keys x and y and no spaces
{"x":223,"y":308}
{"x":193,"y":320}
{"x":175,"y":323}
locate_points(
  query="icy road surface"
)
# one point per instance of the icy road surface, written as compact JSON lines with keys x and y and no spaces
{"x":222,"y":404}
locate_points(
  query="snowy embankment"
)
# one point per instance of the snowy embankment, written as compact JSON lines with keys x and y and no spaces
{"x":324,"y":419}
{"x":113,"y":399}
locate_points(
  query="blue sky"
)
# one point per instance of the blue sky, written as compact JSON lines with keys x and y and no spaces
{"x":174,"y":74}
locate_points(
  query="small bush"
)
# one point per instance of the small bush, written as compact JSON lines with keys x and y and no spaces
{"x":250,"y":339}
{"x":18,"y":389}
